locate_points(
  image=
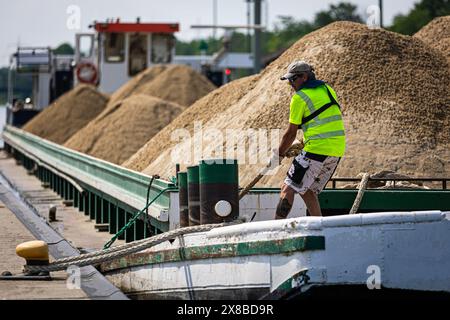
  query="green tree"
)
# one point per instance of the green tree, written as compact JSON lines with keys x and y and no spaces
{"x":194,"y":47}
{"x":64,"y":48}
{"x":422,"y":13}
{"x":286,"y":32}
{"x":343,"y":11}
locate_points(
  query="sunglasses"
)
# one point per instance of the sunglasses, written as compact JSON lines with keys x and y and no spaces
{"x":292,"y":79}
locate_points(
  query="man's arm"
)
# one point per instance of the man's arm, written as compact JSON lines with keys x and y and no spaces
{"x":289,"y":136}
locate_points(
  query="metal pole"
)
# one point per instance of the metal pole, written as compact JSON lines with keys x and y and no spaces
{"x":249,"y":39}
{"x":267,"y":14}
{"x":9,"y":113}
{"x":214,"y":18}
{"x":10,"y":82}
{"x":257,"y":37}
{"x":380,"y":4}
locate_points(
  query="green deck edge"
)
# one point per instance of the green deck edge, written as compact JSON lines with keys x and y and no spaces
{"x":382,"y":200}
{"x":131,"y":182}
{"x":283,"y":246}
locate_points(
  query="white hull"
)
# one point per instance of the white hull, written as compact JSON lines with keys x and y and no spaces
{"x":402,"y":250}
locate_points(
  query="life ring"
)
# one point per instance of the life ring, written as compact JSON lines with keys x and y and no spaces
{"x":87,"y":73}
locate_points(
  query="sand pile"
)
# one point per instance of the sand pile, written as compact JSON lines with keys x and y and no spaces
{"x":118,"y":135}
{"x":392,"y":89}
{"x":136,"y":83}
{"x":202,"y":111}
{"x":68,"y":114}
{"x":437,"y":35}
{"x":205,"y":109}
{"x":175,"y":83}
{"x":146,"y":103}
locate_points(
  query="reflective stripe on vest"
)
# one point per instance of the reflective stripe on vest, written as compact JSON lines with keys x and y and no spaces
{"x":308,"y":101}
{"x":318,"y":122}
{"x":315,"y":122}
{"x":327,"y":135}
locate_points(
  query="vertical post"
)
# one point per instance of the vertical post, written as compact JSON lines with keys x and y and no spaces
{"x":147,"y":230}
{"x":69,"y":191}
{"x":92,"y":206}
{"x":257,"y":37}
{"x":121,"y":220}
{"x":380,"y":4}
{"x":87,"y":203}
{"x":59,"y":185}
{"x":63,"y":188}
{"x":66,"y":190}
{"x":81,"y":198}
{"x":98,"y":209}
{"x":112,"y":218}
{"x":129,"y":233}
{"x":76,"y":197}
{"x":249,"y":38}
{"x":214,"y":19}
{"x":10,"y":86}
{"x":139,"y":229}
{"x":105,"y":211}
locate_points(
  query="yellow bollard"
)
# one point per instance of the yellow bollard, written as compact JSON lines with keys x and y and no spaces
{"x":34,"y":252}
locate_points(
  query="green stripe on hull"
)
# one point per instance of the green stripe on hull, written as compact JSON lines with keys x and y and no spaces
{"x":284,"y":246}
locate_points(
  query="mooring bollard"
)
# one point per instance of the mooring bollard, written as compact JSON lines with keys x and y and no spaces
{"x":219,"y":190}
{"x":52,"y":213}
{"x":183,"y":199}
{"x":193,"y":196}
{"x":34,"y":252}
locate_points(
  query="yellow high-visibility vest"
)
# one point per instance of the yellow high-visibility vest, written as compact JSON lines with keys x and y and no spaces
{"x":325,"y":134}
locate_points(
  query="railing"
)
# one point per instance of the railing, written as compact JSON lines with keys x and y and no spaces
{"x":443,"y":181}
{"x":110,"y":182}
{"x":114,"y":194}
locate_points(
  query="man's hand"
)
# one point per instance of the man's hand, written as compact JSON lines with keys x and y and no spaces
{"x":295,"y":149}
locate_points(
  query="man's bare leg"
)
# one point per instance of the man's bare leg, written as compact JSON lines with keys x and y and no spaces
{"x":312,"y":203}
{"x":286,"y":201}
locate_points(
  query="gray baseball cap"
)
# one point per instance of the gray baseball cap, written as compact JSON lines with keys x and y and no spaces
{"x":295,"y":68}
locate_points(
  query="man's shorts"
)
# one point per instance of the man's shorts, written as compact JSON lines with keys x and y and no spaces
{"x":310,"y":172}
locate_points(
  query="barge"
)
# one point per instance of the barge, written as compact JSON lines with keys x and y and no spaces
{"x":398,"y":242}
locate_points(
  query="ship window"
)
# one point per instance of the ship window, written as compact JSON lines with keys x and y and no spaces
{"x":86,"y":45}
{"x":137,"y":61}
{"x":162,"y":45}
{"x":114,"y":47}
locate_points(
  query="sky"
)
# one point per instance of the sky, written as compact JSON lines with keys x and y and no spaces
{"x":51,"y":22}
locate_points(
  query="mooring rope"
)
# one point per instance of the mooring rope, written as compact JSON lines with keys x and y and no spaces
{"x":121,"y":250}
{"x":361,"y":189}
